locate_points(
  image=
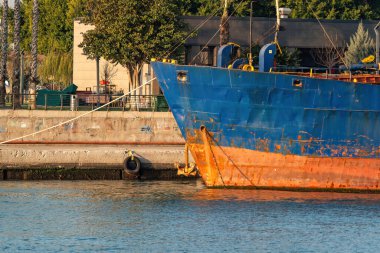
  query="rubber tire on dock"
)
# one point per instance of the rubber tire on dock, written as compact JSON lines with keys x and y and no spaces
{"x":132,"y":165}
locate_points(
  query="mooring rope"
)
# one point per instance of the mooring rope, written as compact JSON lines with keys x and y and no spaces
{"x":229,"y":158}
{"x":98,"y":108}
{"x":78,"y":117}
{"x":192,"y":32}
{"x":217,"y":31}
{"x":213,"y":155}
{"x":328,"y":37}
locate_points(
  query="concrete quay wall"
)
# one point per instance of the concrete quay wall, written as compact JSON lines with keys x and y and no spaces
{"x":99,"y":127}
{"x":37,"y":161}
{"x":161,"y":145}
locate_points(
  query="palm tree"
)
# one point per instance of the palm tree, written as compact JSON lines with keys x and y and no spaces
{"x":4,"y":53}
{"x":33,"y":68}
{"x":16,"y":41}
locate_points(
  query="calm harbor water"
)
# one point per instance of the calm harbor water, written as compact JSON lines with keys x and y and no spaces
{"x":156,"y":216}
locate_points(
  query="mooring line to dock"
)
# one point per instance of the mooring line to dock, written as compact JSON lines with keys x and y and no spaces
{"x":78,"y":117}
{"x":228,"y":157}
{"x":328,"y":37}
{"x":128,"y":93}
{"x":192,"y":32}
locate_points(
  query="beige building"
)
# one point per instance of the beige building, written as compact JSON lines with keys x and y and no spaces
{"x":84,"y":69}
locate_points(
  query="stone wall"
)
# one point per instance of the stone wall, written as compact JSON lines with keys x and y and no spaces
{"x":123,"y":127}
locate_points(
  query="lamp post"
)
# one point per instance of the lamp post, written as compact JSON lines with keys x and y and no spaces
{"x":22,"y":76}
{"x":97,"y":82}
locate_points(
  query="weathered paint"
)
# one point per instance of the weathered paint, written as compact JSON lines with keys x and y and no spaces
{"x":315,"y":132}
{"x":230,"y":166}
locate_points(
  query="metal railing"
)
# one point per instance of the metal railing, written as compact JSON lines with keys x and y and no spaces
{"x":87,"y":102}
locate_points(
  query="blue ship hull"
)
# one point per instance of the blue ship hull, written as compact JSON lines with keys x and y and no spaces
{"x":275,"y":115}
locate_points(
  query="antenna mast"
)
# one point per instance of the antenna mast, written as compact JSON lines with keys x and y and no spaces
{"x":224,"y":26}
{"x":277,"y":22}
{"x":250,"y":60}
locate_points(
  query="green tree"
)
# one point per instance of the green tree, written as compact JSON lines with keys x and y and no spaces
{"x":288,"y":57}
{"x":130,"y":33}
{"x":189,"y":7}
{"x":334,"y":9}
{"x":361,"y":45}
{"x":238,"y":8}
{"x":57,"y":67}
{"x":55,"y":34}
{"x":375,"y":6}
{"x":76,"y":9}
{"x":55,"y":25}
{"x":4,"y":52}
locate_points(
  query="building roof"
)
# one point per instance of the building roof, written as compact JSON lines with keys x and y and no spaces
{"x":297,"y":33}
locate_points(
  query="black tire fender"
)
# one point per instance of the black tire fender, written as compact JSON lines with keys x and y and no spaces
{"x":132,"y":165}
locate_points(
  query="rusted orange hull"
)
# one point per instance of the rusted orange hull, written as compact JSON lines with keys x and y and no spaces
{"x":229,"y":166}
{"x":276,"y":130}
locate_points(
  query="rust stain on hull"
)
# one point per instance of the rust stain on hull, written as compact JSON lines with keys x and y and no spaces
{"x":231,"y":166}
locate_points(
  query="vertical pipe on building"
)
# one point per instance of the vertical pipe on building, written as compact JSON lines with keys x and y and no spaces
{"x":377,"y":47}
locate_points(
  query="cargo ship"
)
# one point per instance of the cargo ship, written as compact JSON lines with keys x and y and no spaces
{"x":270,"y":129}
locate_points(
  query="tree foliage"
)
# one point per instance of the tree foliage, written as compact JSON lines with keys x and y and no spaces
{"x":55,"y":34}
{"x":57,"y":68}
{"x":334,"y":9}
{"x":238,"y":8}
{"x":361,"y":46}
{"x":56,"y":19}
{"x":130,"y":33}
{"x":289,"y":57}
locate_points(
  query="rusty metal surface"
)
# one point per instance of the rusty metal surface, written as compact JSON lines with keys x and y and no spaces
{"x":232,"y":166}
{"x":323,"y":133}
{"x":227,"y":166}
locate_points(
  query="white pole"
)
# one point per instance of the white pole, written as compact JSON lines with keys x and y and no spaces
{"x":277,"y":21}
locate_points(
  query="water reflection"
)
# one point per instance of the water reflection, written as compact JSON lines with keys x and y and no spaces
{"x":165,"y":190}
{"x":163,"y":216}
